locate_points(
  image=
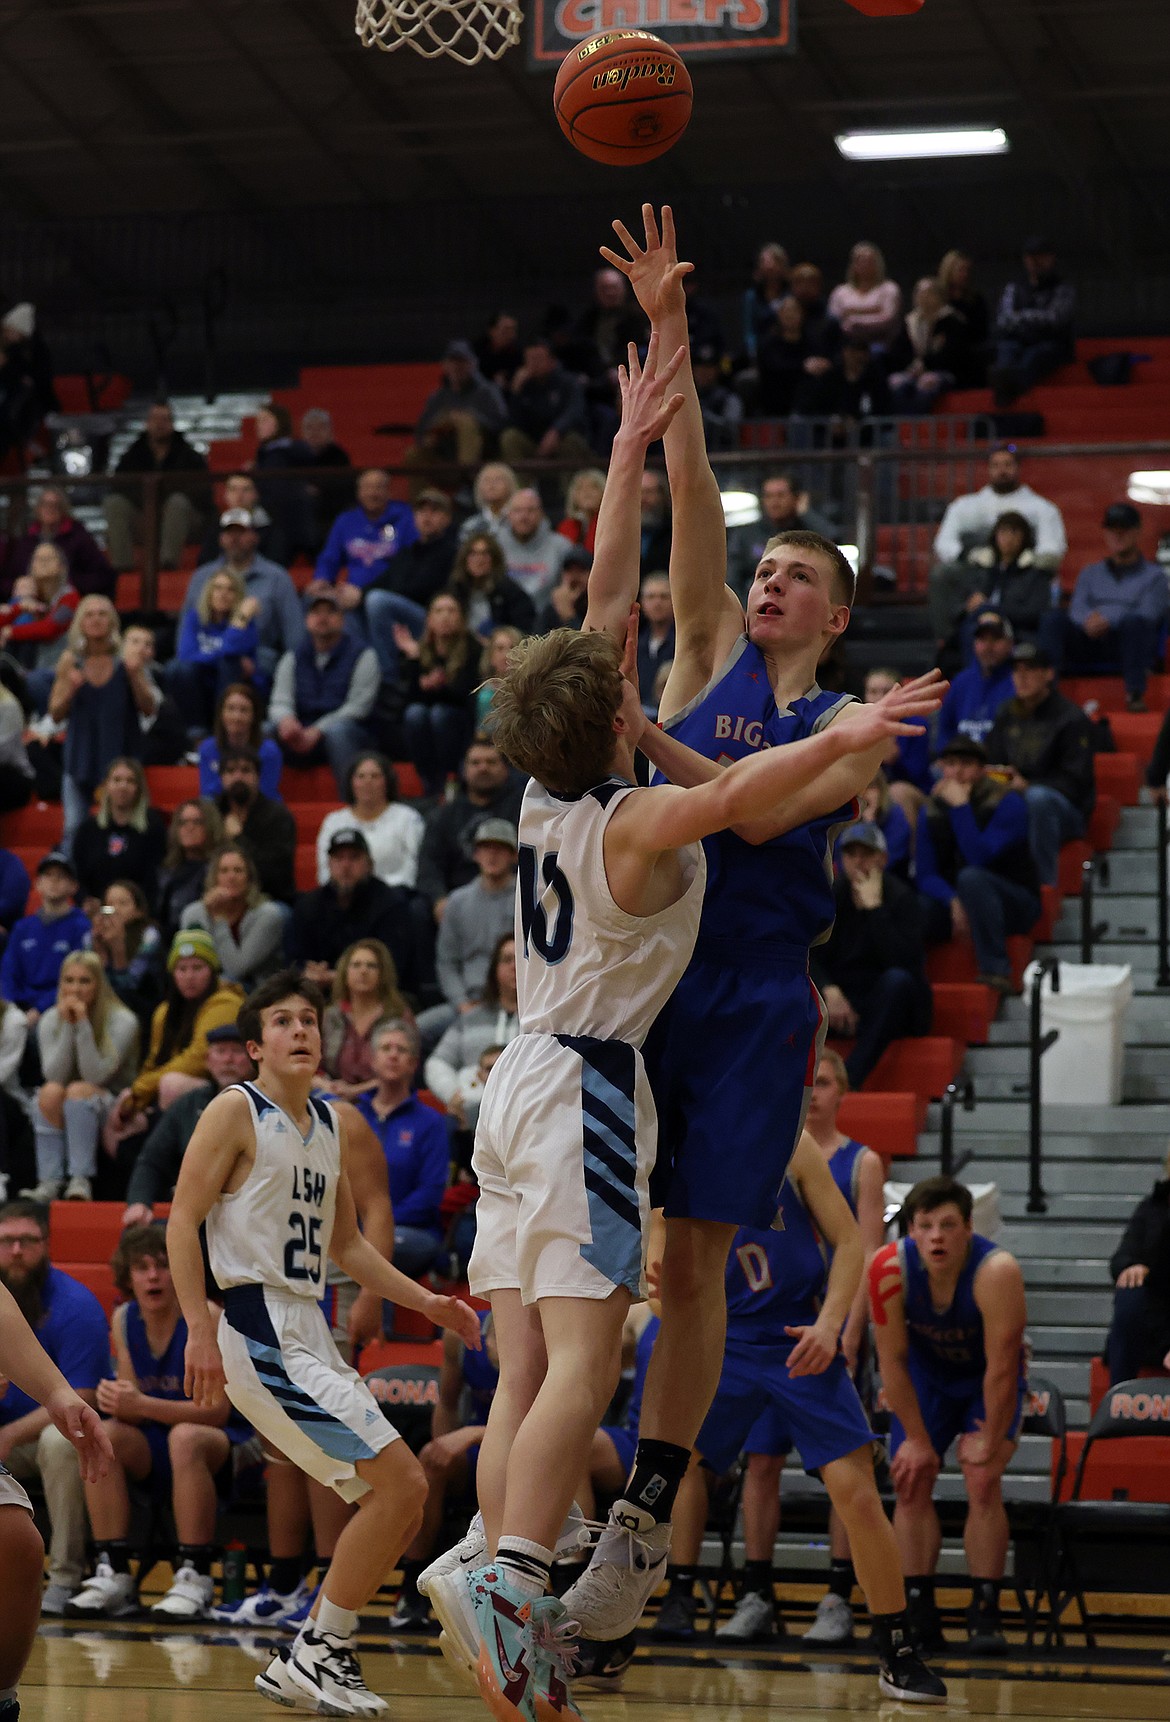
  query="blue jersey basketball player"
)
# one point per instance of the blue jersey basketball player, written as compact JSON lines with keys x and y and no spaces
{"x":785,"y":1384}
{"x":732,"y":1056}
{"x":949,"y":1318}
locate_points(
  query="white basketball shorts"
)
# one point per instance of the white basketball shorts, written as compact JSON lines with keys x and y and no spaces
{"x":12,"y":1494}
{"x":286,"y":1376}
{"x":566,"y":1139}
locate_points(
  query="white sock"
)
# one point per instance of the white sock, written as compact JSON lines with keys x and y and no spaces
{"x":525,"y":1563}
{"x":337,"y":1622}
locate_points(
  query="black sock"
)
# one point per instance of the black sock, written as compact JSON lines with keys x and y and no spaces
{"x":985,"y":1595}
{"x":757,"y":1579}
{"x":842,"y":1578}
{"x":117,"y":1552}
{"x":659,"y":1468}
{"x":197,"y":1555}
{"x":284,"y":1573}
{"x":892,"y":1632}
{"x":411,"y":1573}
{"x":920,"y":1591}
{"x":681,"y":1579}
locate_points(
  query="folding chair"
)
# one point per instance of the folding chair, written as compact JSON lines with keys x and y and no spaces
{"x":722,"y":1518}
{"x":1034,"y":1523}
{"x":1137,"y":1532}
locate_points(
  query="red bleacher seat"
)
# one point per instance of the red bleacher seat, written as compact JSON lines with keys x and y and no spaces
{"x":955,"y":961}
{"x":40,"y":823}
{"x":388,"y":1353}
{"x":410,"y":784}
{"x":308,"y":783}
{"x":1136,"y":732}
{"x":98,"y":1277}
{"x":887,"y":1123}
{"x":1137,"y":1469}
{"x":84,"y":1231}
{"x":431,"y":1100}
{"x":964,"y":1010}
{"x":307,"y":817}
{"x":170,"y":784}
{"x":1103,"y":824}
{"x":923,"y":1064}
{"x":1109,"y":692}
{"x":1118,"y":775}
{"x":305,"y":867}
{"x":1072,"y":860}
{"x":128,"y":592}
{"x":1050,"y":900}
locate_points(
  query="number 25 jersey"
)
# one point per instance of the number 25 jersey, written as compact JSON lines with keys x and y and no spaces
{"x":583,"y":965}
{"x":275,"y":1230}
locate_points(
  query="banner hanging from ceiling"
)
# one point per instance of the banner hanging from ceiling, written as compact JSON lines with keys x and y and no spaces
{"x":710,"y":30}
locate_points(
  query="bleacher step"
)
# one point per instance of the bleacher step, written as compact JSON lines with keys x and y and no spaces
{"x":1012,"y":1116}
{"x":1082,"y":1341}
{"x":993,"y":1146}
{"x":1082,"y":1303}
{"x":1128,"y":1181}
{"x":1075,"y":1238}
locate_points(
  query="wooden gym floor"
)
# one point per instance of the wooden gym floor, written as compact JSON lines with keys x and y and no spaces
{"x":130,"y":1671}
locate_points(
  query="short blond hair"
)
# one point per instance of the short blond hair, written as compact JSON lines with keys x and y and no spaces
{"x":553,"y":712}
{"x":837,"y":1065}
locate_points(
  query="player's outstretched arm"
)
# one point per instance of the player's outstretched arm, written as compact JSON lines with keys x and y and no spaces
{"x":648,"y":405}
{"x":361,"y":1261}
{"x":222,"y":1135}
{"x":746,"y":796}
{"x":708,"y":616}
{"x":817,"y":1346}
{"x":999,"y":1294}
{"x":24,"y":1360}
{"x":916,"y":1457}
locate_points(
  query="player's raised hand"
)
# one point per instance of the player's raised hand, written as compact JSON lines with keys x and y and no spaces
{"x":653,"y":269}
{"x":203,"y":1377}
{"x":647,"y":408}
{"x":452,"y":1312}
{"x":902,"y":711}
{"x":84,"y":1430}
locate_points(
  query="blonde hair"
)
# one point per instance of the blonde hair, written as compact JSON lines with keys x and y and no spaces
{"x":390,"y":998}
{"x":553,"y":712}
{"x":254,"y":896}
{"x":75,"y":639}
{"x":104,"y":1001}
{"x":837,"y":1065}
{"x":203,"y":603}
{"x":865,"y":245}
{"x":947,"y":267}
{"x":574,"y":509}
{"x":505,"y":631}
{"x":141,"y":808}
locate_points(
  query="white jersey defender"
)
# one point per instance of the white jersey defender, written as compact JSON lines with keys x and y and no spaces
{"x":267,"y":1243}
{"x":567,"y":1131}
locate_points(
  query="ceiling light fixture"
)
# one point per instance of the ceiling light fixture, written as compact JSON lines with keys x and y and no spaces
{"x":1149,"y":487}
{"x":920,"y":145}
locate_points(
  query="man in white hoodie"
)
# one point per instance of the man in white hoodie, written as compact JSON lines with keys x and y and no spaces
{"x":969,"y":523}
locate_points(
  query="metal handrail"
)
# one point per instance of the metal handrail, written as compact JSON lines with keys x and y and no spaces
{"x":1163,"y":975}
{"x":1091,"y":931}
{"x":1038,"y":1045}
{"x":957,"y":1093}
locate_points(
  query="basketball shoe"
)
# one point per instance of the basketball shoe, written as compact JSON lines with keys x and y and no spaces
{"x":628,"y":1564}
{"x":322,"y":1673}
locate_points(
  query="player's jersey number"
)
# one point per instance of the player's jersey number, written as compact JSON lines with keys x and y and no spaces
{"x":757,"y":1269}
{"x":549,"y":942}
{"x":302,"y":1252}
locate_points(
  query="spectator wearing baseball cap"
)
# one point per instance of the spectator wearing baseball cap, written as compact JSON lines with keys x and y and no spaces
{"x":462,"y":419}
{"x":39,"y":943}
{"x":477,"y":917}
{"x":547,"y":410}
{"x":1034,"y":326}
{"x":974,"y":860}
{"x":567,"y":601}
{"x":354,"y":906}
{"x":401,"y":592}
{"x":1044,"y":743}
{"x":1116,"y":618}
{"x":976,"y":693}
{"x":870,"y":971}
{"x":363,"y":540}
{"x":279,"y":619}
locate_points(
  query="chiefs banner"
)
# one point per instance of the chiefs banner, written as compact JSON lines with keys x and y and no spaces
{"x":699,"y":29}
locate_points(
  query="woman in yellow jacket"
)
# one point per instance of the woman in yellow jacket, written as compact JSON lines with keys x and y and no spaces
{"x":197,"y":1000}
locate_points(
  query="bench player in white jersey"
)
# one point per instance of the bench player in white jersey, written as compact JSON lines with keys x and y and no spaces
{"x":609,"y":891}
{"x":266,"y":1170}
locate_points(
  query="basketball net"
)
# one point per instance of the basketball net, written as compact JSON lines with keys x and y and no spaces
{"x":466,"y":30}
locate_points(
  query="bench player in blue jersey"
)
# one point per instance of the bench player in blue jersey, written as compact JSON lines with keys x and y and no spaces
{"x":949,"y":1317}
{"x":732,"y":1056}
{"x":785,"y":1384}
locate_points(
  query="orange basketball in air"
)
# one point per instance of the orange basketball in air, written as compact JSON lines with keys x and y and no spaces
{"x":623,"y":97}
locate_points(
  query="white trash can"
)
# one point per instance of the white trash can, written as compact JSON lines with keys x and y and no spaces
{"x":1083,"y":1066}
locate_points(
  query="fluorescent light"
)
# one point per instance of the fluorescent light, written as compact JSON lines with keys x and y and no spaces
{"x":916,"y":146}
{"x":851,"y":554}
{"x":1149,"y":487}
{"x":740,"y":507}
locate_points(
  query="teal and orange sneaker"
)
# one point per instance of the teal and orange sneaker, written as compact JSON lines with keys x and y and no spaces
{"x":508,"y":1657}
{"x":554,"y":1638}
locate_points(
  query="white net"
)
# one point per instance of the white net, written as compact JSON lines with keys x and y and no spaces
{"x":466,"y":30}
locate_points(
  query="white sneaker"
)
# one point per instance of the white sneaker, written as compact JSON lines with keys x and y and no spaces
{"x":627,"y":1567}
{"x":753,"y":1621}
{"x":78,"y":1190}
{"x":450,"y":1599}
{"x":106,"y":1596}
{"x":189,"y":1597}
{"x":327,"y":1669}
{"x":832,"y":1623}
{"x":265,"y":1607}
{"x":470,"y":1552}
{"x":47,"y":1190}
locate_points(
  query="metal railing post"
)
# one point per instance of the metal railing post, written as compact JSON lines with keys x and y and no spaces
{"x":1163,"y":977}
{"x":1091,"y":931}
{"x":956,"y":1093}
{"x":1038,"y":1044}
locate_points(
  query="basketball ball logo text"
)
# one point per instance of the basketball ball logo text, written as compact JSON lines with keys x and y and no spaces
{"x":620,"y":77}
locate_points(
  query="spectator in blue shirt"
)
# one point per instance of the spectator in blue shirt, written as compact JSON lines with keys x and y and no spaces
{"x":1116,"y":619}
{"x":70,"y":1324}
{"x":363,"y":540}
{"x":977,"y":692}
{"x":280,"y":622}
{"x":38,"y":944}
{"x":218,"y":643}
{"x":15,"y":886}
{"x":974,"y":860}
{"x":415,"y":1142}
{"x":907,"y":761}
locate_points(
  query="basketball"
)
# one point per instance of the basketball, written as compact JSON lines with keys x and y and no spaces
{"x":623,"y":97}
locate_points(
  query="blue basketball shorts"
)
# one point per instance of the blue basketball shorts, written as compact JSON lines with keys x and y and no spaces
{"x":950,"y":1409}
{"x":731,"y":1062}
{"x":759,"y":1408}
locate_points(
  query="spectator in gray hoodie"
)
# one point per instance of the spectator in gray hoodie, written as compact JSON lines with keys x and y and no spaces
{"x":533,"y":551}
{"x":477,"y":917}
